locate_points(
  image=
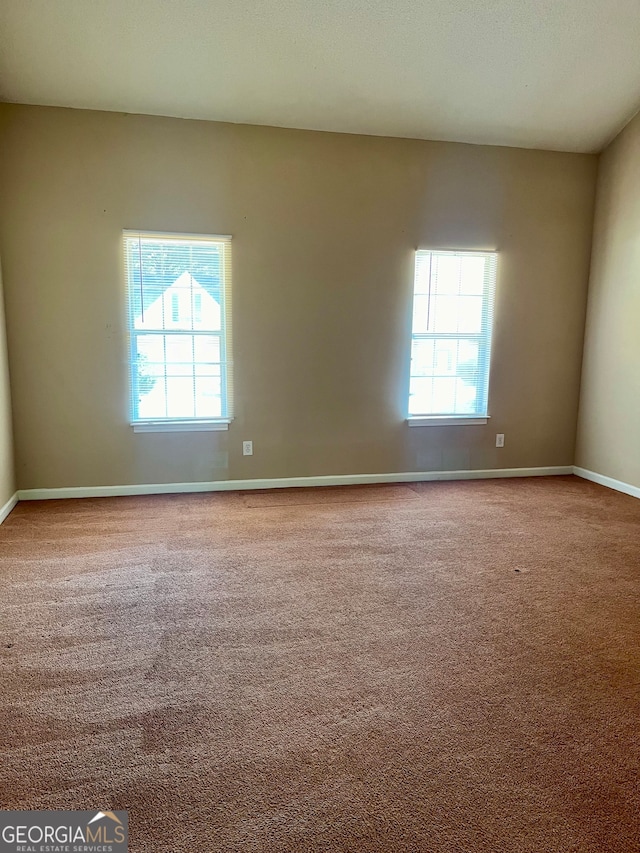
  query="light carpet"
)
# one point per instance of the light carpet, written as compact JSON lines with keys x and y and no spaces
{"x":457,"y":671}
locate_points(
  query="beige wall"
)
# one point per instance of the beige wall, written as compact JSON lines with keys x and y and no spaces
{"x":609,"y":423}
{"x":324,"y":230}
{"x":7,"y":479}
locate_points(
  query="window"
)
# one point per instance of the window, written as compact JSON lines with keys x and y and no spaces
{"x":451,"y":339}
{"x":179,"y":328}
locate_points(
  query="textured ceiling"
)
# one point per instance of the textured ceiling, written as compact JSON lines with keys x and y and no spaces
{"x":560,"y":74}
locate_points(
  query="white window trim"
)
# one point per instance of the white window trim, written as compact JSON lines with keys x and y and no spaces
{"x":179,"y":425}
{"x":447,"y":420}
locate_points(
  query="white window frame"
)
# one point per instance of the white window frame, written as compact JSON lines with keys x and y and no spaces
{"x":483,"y":337}
{"x":184,"y":424}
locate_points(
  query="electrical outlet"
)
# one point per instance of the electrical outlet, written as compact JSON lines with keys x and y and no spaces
{"x":247,"y":448}
{"x":500,"y":439}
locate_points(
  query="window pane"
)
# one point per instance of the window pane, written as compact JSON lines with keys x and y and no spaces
{"x":150,"y":347}
{"x":472,"y":275}
{"x":446,"y":274}
{"x":179,"y":348}
{"x":420,"y":313}
{"x":152,"y":402}
{"x":180,"y":398}
{"x":208,"y":398}
{"x":444,"y":314}
{"x":420,"y":396}
{"x":470,"y":314}
{"x":207,"y":348}
{"x":445,"y":357}
{"x":445,"y":376}
{"x":444,"y":396}
{"x":422,"y":357}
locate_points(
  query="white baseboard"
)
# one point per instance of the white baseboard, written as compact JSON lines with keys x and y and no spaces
{"x":284,"y":483}
{"x":293,"y":482}
{"x":6,"y":509}
{"x":609,"y":482}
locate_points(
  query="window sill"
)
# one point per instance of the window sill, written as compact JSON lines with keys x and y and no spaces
{"x":455,"y":420}
{"x":181,"y":426}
